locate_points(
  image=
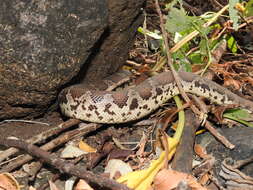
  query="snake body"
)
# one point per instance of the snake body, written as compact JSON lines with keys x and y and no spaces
{"x":134,"y":103}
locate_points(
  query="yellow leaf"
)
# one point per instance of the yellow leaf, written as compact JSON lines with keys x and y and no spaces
{"x":85,"y":147}
{"x":142,"y":179}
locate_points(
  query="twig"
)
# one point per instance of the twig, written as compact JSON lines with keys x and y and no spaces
{"x":63,"y":165}
{"x":171,"y":116}
{"x":210,"y":128}
{"x":58,"y":175}
{"x":52,"y":144}
{"x":41,"y":137}
{"x":169,"y":60}
{"x":177,"y":78}
{"x":24,"y":121}
{"x":33,"y":170}
{"x":219,"y":136}
{"x":192,"y":8}
{"x":241,"y":163}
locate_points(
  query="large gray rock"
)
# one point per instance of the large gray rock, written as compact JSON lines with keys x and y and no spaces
{"x":45,"y":43}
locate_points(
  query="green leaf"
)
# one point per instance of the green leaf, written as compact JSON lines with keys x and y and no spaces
{"x":249,"y":8}
{"x":233,"y":14}
{"x":177,"y":20}
{"x":232,"y":45}
{"x":196,"y":58}
{"x":186,"y":66}
{"x":239,"y":115}
{"x":203,"y":46}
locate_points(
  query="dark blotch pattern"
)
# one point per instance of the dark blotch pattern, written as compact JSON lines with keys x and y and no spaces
{"x":111,"y":120}
{"x":73,"y":108}
{"x":97,"y":113}
{"x":83,"y":107}
{"x":88,"y":115}
{"x":159,"y":91}
{"x":145,"y":106}
{"x":107,"y":109}
{"x":151,"y":87}
{"x":96,"y":98}
{"x":205,"y":86}
{"x":134,"y":104}
{"x":223,"y":99}
{"x":197,"y":84}
{"x":120,"y":99}
{"x":145,"y":92}
{"x":76,"y":92}
{"x":92,"y":107}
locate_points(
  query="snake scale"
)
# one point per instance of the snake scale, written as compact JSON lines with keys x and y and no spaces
{"x":134,"y":103}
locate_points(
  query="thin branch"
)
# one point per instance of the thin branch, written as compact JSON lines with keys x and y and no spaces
{"x":52,"y":144}
{"x":24,"y":121}
{"x":41,"y":137}
{"x":219,"y":136}
{"x":169,"y":60}
{"x":64,"y":166}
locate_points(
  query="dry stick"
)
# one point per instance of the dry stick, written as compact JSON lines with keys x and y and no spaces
{"x":52,"y":144}
{"x":210,"y":128}
{"x":241,"y":163}
{"x":219,"y":136}
{"x":41,"y":137}
{"x":64,"y":166}
{"x":58,"y":175}
{"x":174,"y":73}
{"x":23,"y":121}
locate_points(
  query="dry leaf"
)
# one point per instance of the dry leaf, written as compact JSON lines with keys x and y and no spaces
{"x":8,"y":182}
{"x":82,"y":185}
{"x":249,"y":80}
{"x":219,"y":110}
{"x":52,"y":185}
{"x":71,"y":151}
{"x":170,"y":179}
{"x":231,"y":82}
{"x":204,"y":179}
{"x":204,"y":167}
{"x":200,"y":151}
{"x":115,"y":165}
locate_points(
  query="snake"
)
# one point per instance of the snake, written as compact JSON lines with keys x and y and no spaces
{"x":134,"y":103}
